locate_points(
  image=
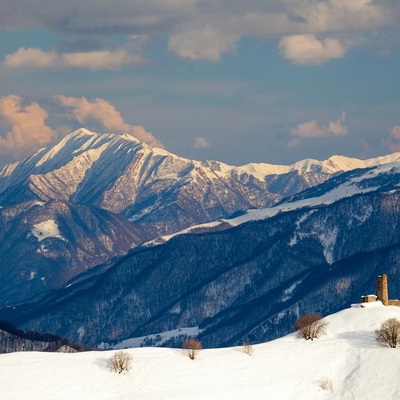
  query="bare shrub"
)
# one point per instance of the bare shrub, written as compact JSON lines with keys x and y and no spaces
{"x":310,"y":326}
{"x":389,"y":333}
{"x":325,"y":383}
{"x":248,"y":348}
{"x":120,"y":361}
{"x":192,"y":347}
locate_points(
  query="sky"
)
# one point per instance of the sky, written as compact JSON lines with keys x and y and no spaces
{"x":230,"y":80}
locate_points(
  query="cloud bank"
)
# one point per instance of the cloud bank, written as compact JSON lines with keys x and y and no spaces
{"x":27,"y":130}
{"x":204,"y":29}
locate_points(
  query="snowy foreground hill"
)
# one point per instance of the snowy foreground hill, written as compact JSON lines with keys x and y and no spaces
{"x":288,"y":368}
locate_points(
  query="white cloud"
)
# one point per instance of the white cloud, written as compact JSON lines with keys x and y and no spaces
{"x":343,"y":15}
{"x":308,"y":50}
{"x":100,"y":110}
{"x":201,"y":143}
{"x":94,"y":60}
{"x":202,"y":44}
{"x":27,"y":130}
{"x":312,"y":129}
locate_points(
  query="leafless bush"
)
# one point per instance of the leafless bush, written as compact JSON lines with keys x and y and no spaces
{"x":192,"y":347}
{"x":325,"y":383}
{"x":389,"y":333}
{"x":310,"y":326}
{"x":248,"y":348}
{"x":120,"y":361}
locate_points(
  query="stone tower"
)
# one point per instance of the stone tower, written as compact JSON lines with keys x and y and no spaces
{"x":382,"y":289}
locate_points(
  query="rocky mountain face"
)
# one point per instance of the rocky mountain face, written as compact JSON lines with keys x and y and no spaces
{"x":92,"y":197}
{"x":317,"y":252}
{"x":44,"y":244}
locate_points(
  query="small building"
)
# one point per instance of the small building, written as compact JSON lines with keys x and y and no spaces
{"x":370,"y":298}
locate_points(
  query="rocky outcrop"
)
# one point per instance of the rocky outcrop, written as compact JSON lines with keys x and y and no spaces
{"x":45,"y":244}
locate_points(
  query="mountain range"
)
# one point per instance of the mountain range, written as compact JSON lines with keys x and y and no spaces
{"x":92,"y":197}
{"x":243,"y":278}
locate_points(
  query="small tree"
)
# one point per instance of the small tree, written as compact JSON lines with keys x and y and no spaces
{"x":120,"y":361}
{"x":389,"y":333}
{"x":192,"y":347}
{"x":310,"y":326}
{"x":325,"y":383}
{"x":248,"y":348}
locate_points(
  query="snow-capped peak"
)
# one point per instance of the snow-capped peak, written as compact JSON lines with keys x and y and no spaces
{"x":332,"y":165}
{"x":129,"y":137}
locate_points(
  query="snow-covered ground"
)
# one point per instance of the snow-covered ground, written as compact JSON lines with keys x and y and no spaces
{"x":287,"y":368}
{"x":46,"y":229}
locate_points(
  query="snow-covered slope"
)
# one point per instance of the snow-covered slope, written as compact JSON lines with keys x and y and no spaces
{"x":288,"y":368}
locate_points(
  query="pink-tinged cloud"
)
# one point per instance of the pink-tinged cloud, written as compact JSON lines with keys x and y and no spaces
{"x":393,"y":142}
{"x":201,"y":143}
{"x":395,"y":132}
{"x":308,"y":50}
{"x":100,"y":110}
{"x":312,"y":129}
{"x":93,"y":60}
{"x":308,"y":129}
{"x":27,"y":129}
{"x":293,"y":143}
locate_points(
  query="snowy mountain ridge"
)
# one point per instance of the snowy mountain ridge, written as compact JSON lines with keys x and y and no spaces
{"x":83,"y":139}
{"x":356,"y":183}
{"x":160,"y":192}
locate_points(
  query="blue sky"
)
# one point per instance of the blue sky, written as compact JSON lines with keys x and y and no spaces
{"x":236,"y":81}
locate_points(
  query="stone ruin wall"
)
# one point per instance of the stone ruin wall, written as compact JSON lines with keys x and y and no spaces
{"x":382,"y":293}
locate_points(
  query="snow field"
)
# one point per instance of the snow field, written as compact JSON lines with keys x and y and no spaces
{"x":287,"y":368}
{"x":46,"y":229}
